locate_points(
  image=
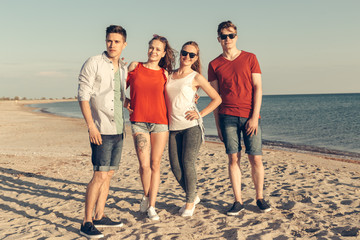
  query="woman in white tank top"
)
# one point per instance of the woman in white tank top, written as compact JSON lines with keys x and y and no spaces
{"x":185,"y":121}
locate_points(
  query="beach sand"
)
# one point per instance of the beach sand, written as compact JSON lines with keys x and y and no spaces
{"x":45,"y":167}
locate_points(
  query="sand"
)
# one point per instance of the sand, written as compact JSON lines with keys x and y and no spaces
{"x":45,"y":167}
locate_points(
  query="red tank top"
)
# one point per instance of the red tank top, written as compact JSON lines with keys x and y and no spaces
{"x":147,"y":92}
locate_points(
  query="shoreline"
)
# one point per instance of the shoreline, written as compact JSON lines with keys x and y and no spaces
{"x":334,"y":157}
{"x":342,"y":155}
{"x":45,"y":166}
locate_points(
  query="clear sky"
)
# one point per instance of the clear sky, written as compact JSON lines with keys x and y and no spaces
{"x":308,"y":46}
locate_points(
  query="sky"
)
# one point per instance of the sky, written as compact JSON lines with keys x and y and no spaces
{"x":303,"y":47}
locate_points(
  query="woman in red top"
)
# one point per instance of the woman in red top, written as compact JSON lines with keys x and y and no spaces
{"x":148,"y":116}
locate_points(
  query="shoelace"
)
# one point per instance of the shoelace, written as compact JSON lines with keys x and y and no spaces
{"x":92,"y":228}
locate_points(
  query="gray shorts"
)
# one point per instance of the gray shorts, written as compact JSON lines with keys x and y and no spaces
{"x":144,"y":127}
{"x":231,"y":129}
{"x":107,"y":156}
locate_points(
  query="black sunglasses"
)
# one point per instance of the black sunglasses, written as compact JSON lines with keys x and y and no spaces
{"x":224,"y":36}
{"x":185,"y":53}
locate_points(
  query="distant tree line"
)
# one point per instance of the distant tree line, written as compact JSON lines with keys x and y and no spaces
{"x":17,"y":98}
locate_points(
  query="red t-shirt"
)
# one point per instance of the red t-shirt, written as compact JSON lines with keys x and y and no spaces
{"x":235,"y":83}
{"x":147,"y":89}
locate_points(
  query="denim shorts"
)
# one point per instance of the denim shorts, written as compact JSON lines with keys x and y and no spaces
{"x":144,"y":127}
{"x":107,"y":156}
{"x":231,"y":129}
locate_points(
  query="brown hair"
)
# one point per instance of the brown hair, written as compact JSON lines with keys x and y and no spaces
{"x":168,"y":61}
{"x":196,"y":66}
{"x":116,"y":29}
{"x":224,"y":25}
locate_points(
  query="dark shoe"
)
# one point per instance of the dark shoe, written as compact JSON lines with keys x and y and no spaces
{"x":235,"y":209}
{"x":107,"y":222}
{"x":264,"y":207}
{"x":90,"y":231}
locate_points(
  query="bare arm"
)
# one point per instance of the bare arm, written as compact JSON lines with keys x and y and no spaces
{"x":127,"y":101}
{"x":200,"y":81}
{"x":253,"y":123}
{"x":94,"y":134}
{"x":132,"y":66}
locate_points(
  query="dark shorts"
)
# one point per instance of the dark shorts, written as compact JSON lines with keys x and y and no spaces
{"x":231,"y":129}
{"x":107,"y":156}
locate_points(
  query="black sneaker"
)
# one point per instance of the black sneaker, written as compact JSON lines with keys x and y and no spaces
{"x":264,"y":207}
{"x":90,"y":231}
{"x":107,"y":222}
{"x":235,"y":209}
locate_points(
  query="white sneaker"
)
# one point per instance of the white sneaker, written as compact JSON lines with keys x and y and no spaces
{"x":152,"y":214}
{"x":196,"y":201}
{"x":188,"y":213}
{"x":144,"y":204}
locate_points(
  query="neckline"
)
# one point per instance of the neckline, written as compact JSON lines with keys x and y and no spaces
{"x":184,"y":76}
{"x":142,"y":64}
{"x":241,"y":52}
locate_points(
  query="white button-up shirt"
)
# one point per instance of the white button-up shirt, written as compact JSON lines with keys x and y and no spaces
{"x":96,"y":85}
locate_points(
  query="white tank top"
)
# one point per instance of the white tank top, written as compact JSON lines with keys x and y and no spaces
{"x":180,"y":98}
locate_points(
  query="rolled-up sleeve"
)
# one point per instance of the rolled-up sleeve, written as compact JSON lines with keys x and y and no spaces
{"x":86,"y":80}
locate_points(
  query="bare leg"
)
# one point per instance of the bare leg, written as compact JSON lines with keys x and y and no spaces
{"x":93,"y":192}
{"x":158,"y":143}
{"x":104,"y":192}
{"x":257,"y":173}
{"x":235,"y":175}
{"x":142,"y":146}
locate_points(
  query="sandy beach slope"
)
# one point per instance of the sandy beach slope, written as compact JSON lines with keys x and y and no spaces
{"x":45,"y":166}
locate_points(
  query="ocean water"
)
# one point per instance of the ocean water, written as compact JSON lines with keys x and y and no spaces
{"x":323,"y":123}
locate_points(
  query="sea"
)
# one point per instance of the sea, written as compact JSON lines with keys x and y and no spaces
{"x":319,"y":123}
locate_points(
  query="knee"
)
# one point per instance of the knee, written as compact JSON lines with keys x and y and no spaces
{"x":155,"y":166}
{"x":255,"y":160}
{"x":99,"y":177}
{"x":144,"y":167}
{"x":110,"y":174}
{"x":234,"y":159}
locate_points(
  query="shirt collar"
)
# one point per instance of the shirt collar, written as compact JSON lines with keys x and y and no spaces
{"x":108,"y":60}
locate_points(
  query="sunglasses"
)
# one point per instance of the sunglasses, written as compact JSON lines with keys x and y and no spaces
{"x":185,"y":53}
{"x":224,"y":36}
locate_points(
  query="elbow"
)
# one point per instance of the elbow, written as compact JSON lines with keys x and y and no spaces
{"x":218,"y":100}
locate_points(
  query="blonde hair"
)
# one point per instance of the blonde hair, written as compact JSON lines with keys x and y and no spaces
{"x":196,"y":66}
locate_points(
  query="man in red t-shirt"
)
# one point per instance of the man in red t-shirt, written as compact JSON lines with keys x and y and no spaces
{"x":236,"y":75}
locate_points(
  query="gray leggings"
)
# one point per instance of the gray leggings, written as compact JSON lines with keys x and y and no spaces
{"x":184,"y":147}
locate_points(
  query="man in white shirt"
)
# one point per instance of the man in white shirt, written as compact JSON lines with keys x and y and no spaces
{"x":101,"y":96}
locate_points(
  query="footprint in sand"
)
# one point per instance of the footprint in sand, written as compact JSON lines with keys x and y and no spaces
{"x":287,"y":205}
{"x":346,"y":202}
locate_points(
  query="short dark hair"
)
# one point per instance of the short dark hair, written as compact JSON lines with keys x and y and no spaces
{"x":116,"y":29}
{"x":224,"y":25}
